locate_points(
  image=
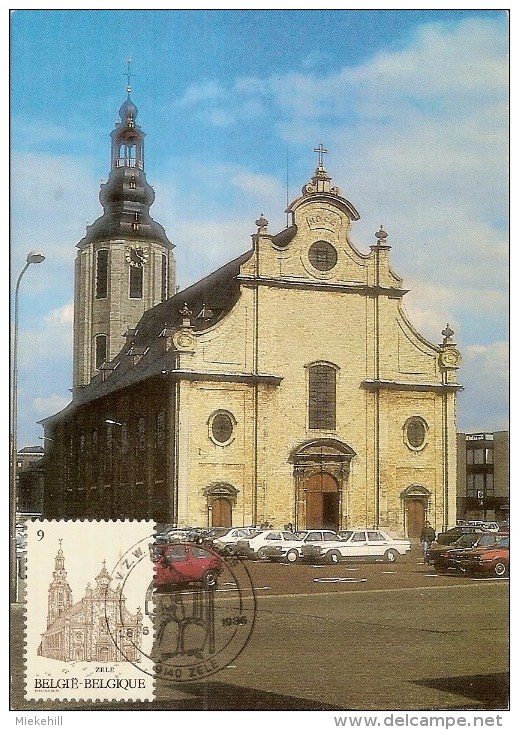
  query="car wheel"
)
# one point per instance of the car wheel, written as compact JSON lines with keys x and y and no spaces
{"x":500,"y":569}
{"x":262,"y":553}
{"x":229,"y":550}
{"x":390,"y":556}
{"x":291,"y":556}
{"x":333,"y":557}
{"x":210,"y":578}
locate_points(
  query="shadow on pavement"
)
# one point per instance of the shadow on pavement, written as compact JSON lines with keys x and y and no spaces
{"x":492,"y":690}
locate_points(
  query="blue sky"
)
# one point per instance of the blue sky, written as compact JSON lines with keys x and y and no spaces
{"x":412,"y":106}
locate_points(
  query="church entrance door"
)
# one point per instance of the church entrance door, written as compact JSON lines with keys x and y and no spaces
{"x":221,"y":513}
{"x":415,"y":517}
{"x":322,"y":501}
{"x":103,"y":654}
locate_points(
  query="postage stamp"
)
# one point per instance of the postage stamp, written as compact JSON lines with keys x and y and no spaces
{"x":86,"y":630}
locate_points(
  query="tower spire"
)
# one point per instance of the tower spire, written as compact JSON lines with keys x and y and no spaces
{"x":60,"y":593}
{"x":128,"y":76}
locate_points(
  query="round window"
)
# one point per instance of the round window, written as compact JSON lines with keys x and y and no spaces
{"x":222,"y":428}
{"x":322,"y":255}
{"x":415,"y":433}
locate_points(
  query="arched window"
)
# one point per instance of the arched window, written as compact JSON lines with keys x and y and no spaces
{"x":141,"y":434}
{"x":164,"y":278}
{"x":101,"y":349}
{"x":160,"y":431}
{"x":136,"y":278}
{"x":322,"y":397}
{"x":102,"y":273}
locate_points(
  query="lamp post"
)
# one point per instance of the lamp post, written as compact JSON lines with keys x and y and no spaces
{"x":34,"y":257}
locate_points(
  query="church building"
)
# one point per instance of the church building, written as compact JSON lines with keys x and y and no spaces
{"x":85,"y":631}
{"x":287,"y":386}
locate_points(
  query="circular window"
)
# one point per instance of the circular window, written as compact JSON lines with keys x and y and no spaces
{"x":322,"y":255}
{"x":221,"y":428}
{"x":415,"y":432}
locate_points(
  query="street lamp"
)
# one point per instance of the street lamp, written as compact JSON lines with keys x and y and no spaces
{"x":34,"y":257}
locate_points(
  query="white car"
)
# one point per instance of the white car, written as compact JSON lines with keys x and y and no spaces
{"x":303,"y":538}
{"x":225,"y":539}
{"x":358,"y":545}
{"x":275,"y":544}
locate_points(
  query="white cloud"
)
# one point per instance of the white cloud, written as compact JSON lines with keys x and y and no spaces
{"x":206,"y":91}
{"x":50,"y":341}
{"x":493,"y":359}
{"x":62,"y":315}
{"x":44,"y":407}
{"x":261,"y":186}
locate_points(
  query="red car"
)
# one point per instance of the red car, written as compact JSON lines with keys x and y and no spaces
{"x":181,"y":563}
{"x":493,"y":560}
{"x":445,"y":558}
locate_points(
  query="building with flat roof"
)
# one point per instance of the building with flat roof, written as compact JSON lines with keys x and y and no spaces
{"x":483,"y":476}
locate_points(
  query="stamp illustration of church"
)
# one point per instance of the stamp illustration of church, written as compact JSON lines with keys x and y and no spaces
{"x":97,"y":628}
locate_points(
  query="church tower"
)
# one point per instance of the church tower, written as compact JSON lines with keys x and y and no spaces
{"x":125,"y":263}
{"x":60,"y":593}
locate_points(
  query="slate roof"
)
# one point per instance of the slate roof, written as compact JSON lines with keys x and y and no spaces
{"x":218,"y":291}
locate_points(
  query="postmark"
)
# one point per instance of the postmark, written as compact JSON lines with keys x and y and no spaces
{"x":72,"y":652}
{"x":200,"y":605}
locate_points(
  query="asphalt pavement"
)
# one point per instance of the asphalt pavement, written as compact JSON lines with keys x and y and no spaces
{"x":350,"y":636}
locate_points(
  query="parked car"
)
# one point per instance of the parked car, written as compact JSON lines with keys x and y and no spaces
{"x":450,"y":536}
{"x":273,"y":544}
{"x":446,"y":556}
{"x":467,"y":540}
{"x":182,"y":534}
{"x":225,"y":539}
{"x":490,"y":526}
{"x":179,"y":564}
{"x":491,"y":560}
{"x":360,"y":545}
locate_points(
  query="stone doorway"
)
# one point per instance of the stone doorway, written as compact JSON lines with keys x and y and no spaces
{"x":221,"y":498}
{"x":321,"y":470}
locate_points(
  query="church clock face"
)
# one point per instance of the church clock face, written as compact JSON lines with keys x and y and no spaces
{"x":136,"y":256}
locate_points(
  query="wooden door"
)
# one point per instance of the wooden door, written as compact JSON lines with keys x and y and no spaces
{"x":322,"y":501}
{"x":415,"y":517}
{"x":222,"y":513}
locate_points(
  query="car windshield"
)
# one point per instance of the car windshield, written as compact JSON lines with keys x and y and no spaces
{"x":486,"y":540}
{"x":290,"y":536}
{"x":466,"y":540}
{"x":345,"y":534}
{"x":218,"y":531}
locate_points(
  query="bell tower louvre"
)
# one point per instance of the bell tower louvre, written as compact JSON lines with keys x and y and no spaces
{"x":125,"y":263}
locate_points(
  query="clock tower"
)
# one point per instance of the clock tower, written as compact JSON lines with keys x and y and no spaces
{"x":125,"y":262}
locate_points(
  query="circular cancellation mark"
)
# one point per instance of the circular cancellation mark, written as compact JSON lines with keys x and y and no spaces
{"x":197,"y":615}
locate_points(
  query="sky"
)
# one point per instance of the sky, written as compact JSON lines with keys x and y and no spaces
{"x":412,"y":106}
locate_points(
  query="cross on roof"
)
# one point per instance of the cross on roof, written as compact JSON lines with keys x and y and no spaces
{"x":321,"y":152}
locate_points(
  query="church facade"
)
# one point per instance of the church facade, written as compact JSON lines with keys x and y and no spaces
{"x":85,"y":631}
{"x":288,"y":386}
